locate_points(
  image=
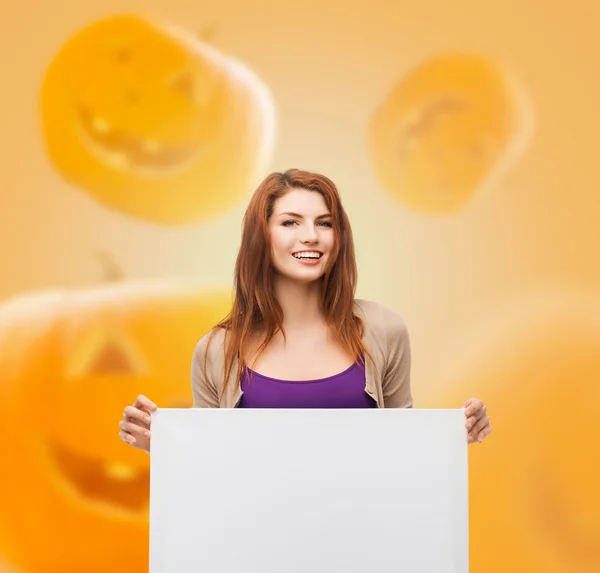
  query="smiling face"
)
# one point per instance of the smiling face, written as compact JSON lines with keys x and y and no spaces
{"x":104,"y":359}
{"x":138,"y":102}
{"x":301,"y":235}
{"x":145,"y":117}
{"x":447,"y":130}
{"x":74,"y":363}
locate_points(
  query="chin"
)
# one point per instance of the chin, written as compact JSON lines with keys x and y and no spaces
{"x":306,"y":277}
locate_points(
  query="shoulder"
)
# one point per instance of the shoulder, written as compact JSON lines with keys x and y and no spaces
{"x":382,"y":322}
{"x":211,"y":345}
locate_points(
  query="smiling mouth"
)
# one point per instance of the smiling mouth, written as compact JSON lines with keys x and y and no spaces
{"x":123,"y":487}
{"x":124,"y":151}
{"x":309,"y":256}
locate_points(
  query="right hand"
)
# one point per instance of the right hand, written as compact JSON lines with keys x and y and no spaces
{"x":135,"y":425}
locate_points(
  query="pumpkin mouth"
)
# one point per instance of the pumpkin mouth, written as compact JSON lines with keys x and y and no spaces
{"x":118,"y":485}
{"x":123,"y":151}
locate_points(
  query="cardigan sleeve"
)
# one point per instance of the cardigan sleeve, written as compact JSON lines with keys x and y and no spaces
{"x":204,"y":391}
{"x":396,"y":377}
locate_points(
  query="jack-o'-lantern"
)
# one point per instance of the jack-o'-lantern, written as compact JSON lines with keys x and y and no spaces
{"x":534,"y":495}
{"x":73,"y":496}
{"x":153,"y":122}
{"x":449,"y":128}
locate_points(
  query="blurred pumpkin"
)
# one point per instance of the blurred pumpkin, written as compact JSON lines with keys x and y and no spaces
{"x":448,"y":129}
{"x":153,"y":122}
{"x":534,"y":495}
{"x":73,"y":497}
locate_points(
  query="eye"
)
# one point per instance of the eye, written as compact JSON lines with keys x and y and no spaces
{"x":105,"y":351}
{"x":183,"y":84}
{"x":289,"y":223}
{"x":122,"y":53}
{"x":327,"y":224}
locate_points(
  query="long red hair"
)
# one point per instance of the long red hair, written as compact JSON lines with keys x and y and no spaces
{"x":255,"y":304}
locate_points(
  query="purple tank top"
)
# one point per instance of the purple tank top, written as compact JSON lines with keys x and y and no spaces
{"x":344,"y":390}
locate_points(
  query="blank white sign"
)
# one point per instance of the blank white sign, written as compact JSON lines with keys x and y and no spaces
{"x":308,"y":491}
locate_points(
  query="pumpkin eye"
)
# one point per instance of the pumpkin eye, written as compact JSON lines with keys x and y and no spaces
{"x":183,"y":84}
{"x":111,"y":359}
{"x":107,"y":353}
{"x":122,"y":54}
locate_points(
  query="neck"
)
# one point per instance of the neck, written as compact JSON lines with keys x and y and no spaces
{"x":299,"y":302}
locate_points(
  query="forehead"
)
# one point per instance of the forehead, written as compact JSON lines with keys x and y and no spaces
{"x":301,"y":201}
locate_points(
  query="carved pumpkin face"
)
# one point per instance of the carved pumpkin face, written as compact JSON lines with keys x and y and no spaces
{"x":534,"y":496}
{"x":446,"y":130}
{"x":71,"y":363}
{"x":152,"y":122}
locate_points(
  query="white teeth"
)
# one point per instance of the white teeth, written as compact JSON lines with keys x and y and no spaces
{"x":307,"y":255}
{"x":100,"y":125}
{"x":120,"y":472}
{"x":119,"y":160}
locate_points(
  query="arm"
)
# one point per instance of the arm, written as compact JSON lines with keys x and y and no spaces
{"x":396,"y":377}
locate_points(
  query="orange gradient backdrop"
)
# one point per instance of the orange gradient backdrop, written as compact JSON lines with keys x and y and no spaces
{"x":463,"y":138}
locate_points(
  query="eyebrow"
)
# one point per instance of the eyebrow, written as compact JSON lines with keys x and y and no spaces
{"x":288,"y":214}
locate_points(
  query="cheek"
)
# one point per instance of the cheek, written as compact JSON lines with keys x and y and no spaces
{"x":280,"y":243}
{"x":328,"y":239}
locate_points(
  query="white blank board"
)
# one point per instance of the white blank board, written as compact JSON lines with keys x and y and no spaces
{"x":308,"y":491}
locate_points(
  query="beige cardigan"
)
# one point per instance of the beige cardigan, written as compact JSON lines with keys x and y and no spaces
{"x":387,"y":377}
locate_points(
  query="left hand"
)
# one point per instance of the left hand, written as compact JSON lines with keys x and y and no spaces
{"x":478,"y":422}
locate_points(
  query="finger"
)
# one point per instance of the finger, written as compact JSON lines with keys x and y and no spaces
{"x":143,"y":402}
{"x":137,"y":414}
{"x":470,"y":422}
{"x":136,"y":422}
{"x":481,"y":412}
{"x":134,"y":429}
{"x":472,"y":405}
{"x":128,"y":439}
{"x":479,"y":426}
{"x":481,"y":423}
{"x":484,"y":433}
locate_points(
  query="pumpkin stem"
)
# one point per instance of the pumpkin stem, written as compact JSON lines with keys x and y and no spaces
{"x":112,"y":271}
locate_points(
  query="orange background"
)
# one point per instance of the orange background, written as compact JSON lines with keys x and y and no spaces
{"x":501,"y":296}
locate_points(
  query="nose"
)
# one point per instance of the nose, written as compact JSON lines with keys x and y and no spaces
{"x":309,"y":236}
